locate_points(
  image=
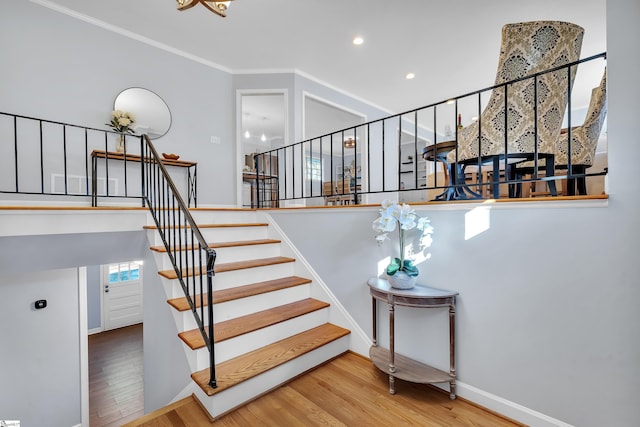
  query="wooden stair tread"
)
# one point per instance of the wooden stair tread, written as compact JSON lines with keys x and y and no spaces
{"x":252,"y":322}
{"x":231,"y":266}
{"x":224,"y":295}
{"x":218,"y":245}
{"x":222,"y":225}
{"x":254,"y":363}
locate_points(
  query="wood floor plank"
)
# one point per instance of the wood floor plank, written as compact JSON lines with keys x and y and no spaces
{"x":252,"y":322}
{"x":347,"y":391}
{"x":116,"y":388}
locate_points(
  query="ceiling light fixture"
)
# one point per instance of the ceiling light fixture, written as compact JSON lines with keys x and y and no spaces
{"x":217,"y":7}
{"x":349,"y":142}
{"x":410,"y":76}
{"x":358,"y":41}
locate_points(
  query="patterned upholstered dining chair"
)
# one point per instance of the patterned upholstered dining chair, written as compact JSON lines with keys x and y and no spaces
{"x":584,"y":141}
{"x":526,"y":48}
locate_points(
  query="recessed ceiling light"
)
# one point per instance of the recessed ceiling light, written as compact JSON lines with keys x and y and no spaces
{"x":358,"y":40}
{"x":409,"y":76}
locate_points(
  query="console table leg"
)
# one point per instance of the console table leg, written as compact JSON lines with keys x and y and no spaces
{"x":392,"y":361}
{"x":374,"y":320}
{"x":452,"y":350}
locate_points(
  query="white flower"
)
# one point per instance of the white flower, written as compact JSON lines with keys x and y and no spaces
{"x":391,"y":215}
{"x":121,"y":121}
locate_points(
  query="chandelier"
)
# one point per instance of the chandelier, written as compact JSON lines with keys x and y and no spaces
{"x":217,"y":7}
{"x":349,"y":142}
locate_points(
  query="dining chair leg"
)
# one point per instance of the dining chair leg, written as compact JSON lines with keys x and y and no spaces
{"x":495,"y":186}
{"x":549,"y":171}
{"x":581,"y":182}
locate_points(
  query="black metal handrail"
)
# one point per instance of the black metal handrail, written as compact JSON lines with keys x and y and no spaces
{"x":65,"y":151}
{"x":187,"y":249}
{"x":298,"y":171}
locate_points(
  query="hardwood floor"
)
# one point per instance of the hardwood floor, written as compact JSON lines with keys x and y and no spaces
{"x":347,"y":391}
{"x":115,"y":377}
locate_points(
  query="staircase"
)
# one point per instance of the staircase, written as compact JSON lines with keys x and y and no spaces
{"x":268,"y":328}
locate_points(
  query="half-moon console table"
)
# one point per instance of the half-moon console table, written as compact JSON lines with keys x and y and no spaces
{"x":397,"y":365}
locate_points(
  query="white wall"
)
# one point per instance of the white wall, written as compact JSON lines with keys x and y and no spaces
{"x":40,"y":356}
{"x":67,"y":70}
{"x":166,"y":371}
{"x":547,"y":309}
{"x":547,"y":314}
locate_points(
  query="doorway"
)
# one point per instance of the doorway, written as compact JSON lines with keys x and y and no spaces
{"x":262,"y":125}
{"x":338,"y":161}
{"x":121,"y":285}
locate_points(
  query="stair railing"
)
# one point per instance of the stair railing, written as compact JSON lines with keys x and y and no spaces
{"x":55,"y":159}
{"x":186,"y":247}
{"x":385,"y":155}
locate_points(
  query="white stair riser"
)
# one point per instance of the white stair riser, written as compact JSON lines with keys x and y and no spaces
{"x":172,"y":288}
{"x":185,"y":320}
{"x":247,"y":390}
{"x":245,"y":343}
{"x":243,"y":306}
{"x":232,"y":254}
{"x":245,"y":253}
{"x":233,"y":234}
{"x":192,"y":357}
{"x":215,"y":235}
{"x":230,"y":279}
{"x":223,"y":216}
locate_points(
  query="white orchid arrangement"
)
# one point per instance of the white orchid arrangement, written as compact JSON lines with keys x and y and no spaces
{"x":404,"y":218}
{"x":121,"y":121}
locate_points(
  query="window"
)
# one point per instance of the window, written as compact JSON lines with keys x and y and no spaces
{"x":314,"y":169}
{"x":124,"y":271}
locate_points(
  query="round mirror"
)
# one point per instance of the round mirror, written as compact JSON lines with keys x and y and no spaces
{"x":151,"y":113}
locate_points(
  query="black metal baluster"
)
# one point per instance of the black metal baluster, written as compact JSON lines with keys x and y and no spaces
{"x":64,"y":156}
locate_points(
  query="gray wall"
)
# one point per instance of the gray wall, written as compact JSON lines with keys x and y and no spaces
{"x":94,"y":307}
{"x":66,"y":70}
{"x":547,"y":314}
{"x":40,"y":355}
{"x":166,"y":371}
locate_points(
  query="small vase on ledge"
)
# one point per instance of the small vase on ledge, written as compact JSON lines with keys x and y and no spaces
{"x":119,"y":143}
{"x":401,"y":280}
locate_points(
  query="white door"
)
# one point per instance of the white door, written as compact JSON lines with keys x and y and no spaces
{"x":121,"y":294}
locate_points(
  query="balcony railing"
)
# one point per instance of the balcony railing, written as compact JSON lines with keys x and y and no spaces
{"x":385,"y":156}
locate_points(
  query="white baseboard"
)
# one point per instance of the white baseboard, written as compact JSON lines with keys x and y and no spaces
{"x":507,"y":408}
{"x":94,"y":331}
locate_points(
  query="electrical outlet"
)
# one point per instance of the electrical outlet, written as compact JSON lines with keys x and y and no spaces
{"x":215,"y":140}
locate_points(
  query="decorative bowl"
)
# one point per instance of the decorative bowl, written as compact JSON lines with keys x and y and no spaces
{"x":170,"y":156}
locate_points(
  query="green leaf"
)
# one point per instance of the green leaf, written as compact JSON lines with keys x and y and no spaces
{"x":393,"y":267}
